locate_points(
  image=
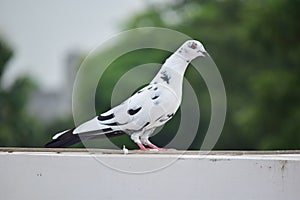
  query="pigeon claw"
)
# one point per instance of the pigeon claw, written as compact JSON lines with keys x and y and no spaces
{"x":152,"y":146}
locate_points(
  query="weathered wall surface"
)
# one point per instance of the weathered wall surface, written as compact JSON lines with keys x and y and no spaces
{"x":84,"y":175}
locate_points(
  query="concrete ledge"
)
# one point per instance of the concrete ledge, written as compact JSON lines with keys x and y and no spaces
{"x":113,"y":151}
{"x":109,"y":174}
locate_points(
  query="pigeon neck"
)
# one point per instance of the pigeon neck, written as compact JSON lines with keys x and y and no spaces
{"x":180,"y":56}
{"x":177,"y":63}
{"x":171,"y":74}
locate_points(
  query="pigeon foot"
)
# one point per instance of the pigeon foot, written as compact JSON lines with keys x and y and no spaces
{"x":152,"y":146}
{"x":142,"y":147}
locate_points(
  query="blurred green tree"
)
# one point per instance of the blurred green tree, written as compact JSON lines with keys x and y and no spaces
{"x":256,"y":46}
{"x":254,"y":43}
{"x":17,"y":128}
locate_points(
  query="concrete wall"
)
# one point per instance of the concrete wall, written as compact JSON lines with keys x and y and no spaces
{"x":171,"y":175}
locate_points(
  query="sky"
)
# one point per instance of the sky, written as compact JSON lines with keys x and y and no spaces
{"x":42,"y":33}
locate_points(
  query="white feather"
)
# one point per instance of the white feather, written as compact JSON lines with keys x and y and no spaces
{"x":59,"y":134}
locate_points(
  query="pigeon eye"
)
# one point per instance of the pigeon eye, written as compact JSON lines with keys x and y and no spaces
{"x":193,"y":45}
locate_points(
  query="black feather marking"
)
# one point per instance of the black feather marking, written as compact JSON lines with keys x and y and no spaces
{"x":159,"y":118}
{"x":89,"y":134}
{"x":155,"y":97}
{"x":165,"y":77}
{"x":107,"y":117}
{"x":93,"y":135}
{"x":149,"y":88}
{"x":146,"y":124}
{"x":113,"y":124}
{"x":107,"y":129}
{"x":64,"y":140}
{"x":170,"y":115}
{"x":100,"y":134}
{"x":155,"y":88}
{"x":162,"y":119}
{"x":134,"y":111}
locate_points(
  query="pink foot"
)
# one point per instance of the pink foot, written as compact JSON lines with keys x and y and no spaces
{"x":142,"y":147}
{"x":152,"y":146}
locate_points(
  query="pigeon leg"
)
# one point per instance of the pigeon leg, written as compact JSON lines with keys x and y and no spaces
{"x":136,"y":138}
{"x":142,"y":147}
{"x":145,"y":141}
{"x":152,"y":146}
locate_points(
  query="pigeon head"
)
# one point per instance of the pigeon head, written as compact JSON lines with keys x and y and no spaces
{"x":191,"y":49}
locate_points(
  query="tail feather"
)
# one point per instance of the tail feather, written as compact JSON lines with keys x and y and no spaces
{"x":64,"y":140}
{"x":68,"y":138}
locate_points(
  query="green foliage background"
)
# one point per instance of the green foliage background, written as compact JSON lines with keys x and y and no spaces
{"x":254,"y":43}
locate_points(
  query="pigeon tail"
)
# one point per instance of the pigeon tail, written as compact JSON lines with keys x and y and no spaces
{"x":64,"y":140}
{"x":68,"y":138}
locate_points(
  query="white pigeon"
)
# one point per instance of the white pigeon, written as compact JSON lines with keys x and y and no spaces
{"x":144,"y":111}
